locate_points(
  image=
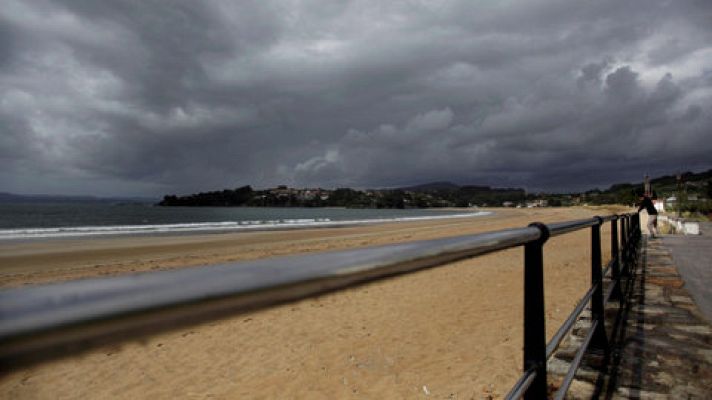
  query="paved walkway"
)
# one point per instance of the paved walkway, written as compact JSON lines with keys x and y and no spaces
{"x":692,"y":256}
{"x":662,"y":349}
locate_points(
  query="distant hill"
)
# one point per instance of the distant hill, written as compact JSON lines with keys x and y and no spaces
{"x":434,"y":194}
{"x":697,"y":183}
{"x":445,"y":186}
{"x":693,"y":186}
{"x":432,"y":186}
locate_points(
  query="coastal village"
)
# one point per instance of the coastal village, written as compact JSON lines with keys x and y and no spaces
{"x":689,"y":192}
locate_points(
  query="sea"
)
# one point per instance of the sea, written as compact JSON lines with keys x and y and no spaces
{"x":33,"y":220}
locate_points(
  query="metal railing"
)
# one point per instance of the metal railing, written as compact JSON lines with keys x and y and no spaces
{"x":533,"y":383}
{"x":42,"y":322}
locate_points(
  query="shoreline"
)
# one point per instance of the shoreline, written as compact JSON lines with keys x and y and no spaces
{"x":456,"y":329}
{"x":42,"y":260}
{"x":50,"y":233}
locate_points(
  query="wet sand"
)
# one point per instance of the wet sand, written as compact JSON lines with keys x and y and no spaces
{"x":450,"y":332}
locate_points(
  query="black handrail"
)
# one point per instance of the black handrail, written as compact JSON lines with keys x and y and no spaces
{"x":46,"y":321}
{"x":533,"y":382}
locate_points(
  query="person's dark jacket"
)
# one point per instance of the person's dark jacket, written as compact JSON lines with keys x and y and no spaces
{"x":648,"y":205}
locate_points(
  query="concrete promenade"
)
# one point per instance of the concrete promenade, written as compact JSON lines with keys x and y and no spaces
{"x":692,"y":256}
{"x":661,"y":345}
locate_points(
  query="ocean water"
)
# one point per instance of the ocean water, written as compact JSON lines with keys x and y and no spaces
{"x":56,"y":220}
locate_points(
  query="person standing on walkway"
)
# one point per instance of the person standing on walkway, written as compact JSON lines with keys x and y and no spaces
{"x":647,"y":204}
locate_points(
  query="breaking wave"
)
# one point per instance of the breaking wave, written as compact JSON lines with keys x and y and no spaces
{"x":224,"y":226}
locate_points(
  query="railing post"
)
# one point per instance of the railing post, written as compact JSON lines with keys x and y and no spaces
{"x":624,"y":245}
{"x":534,"y":317}
{"x":615,"y":261}
{"x":599,"y":340}
{"x":637,"y":233}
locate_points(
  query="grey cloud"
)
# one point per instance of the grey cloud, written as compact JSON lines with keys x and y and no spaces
{"x":623,"y":129}
{"x":622,"y":84}
{"x":183,"y":96}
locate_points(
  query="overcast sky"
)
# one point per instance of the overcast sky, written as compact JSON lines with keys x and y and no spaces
{"x":155,"y":97}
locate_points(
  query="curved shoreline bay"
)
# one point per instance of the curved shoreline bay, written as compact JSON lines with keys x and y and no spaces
{"x":38,"y":221}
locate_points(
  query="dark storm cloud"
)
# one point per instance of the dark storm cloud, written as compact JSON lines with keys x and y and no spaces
{"x":154,"y":97}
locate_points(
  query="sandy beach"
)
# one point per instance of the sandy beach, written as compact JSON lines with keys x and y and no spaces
{"x":453,"y":332}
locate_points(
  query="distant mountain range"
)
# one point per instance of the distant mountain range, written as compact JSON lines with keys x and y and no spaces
{"x":664,"y":184}
{"x":432,"y":186}
{"x":439,"y":193}
{"x":445,"y":186}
